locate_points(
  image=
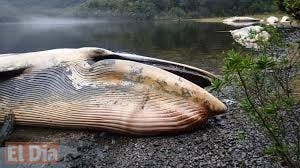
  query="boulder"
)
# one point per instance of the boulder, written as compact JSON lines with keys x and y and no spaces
{"x":285,"y":19}
{"x":272,"y":20}
{"x":249,"y":36}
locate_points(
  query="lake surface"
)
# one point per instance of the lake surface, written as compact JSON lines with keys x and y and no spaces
{"x":197,"y":44}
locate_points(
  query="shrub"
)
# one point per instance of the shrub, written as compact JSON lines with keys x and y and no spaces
{"x":292,"y":7}
{"x":263,"y":89}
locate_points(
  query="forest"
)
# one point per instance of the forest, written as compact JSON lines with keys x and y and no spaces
{"x":145,"y":9}
{"x":141,"y":9}
{"x":149,"y":9}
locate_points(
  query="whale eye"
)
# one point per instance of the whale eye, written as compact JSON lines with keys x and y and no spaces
{"x":100,"y":51}
{"x":104,"y":57}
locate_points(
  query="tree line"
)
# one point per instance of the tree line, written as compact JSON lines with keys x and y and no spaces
{"x":149,"y":9}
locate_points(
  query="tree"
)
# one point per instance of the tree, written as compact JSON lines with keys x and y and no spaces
{"x":263,"y":86}
{"x":177,"y":12}
{"x":292,"y":7}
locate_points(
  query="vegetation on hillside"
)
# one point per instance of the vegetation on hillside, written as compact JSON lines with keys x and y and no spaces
{"x":147,"y":9}
{"x":290,"y":6}
{"x":150,"y":9}
{"x":17,"y":8}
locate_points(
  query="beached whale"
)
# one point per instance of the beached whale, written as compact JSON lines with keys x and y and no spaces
{"x":99,"y":89}
{"x":241,"y":21}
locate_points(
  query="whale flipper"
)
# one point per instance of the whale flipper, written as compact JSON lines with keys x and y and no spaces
{"x":7,"y":127}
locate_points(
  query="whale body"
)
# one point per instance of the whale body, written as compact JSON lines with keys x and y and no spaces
{"x":99,"y":89}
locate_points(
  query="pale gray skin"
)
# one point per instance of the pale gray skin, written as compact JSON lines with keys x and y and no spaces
{"x":16,"y":70}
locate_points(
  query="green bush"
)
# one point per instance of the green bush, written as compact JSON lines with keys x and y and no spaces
{"x":292,"y":7}
{"x":263,"y":89}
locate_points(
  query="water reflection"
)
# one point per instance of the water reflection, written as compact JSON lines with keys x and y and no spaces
{"x":197,"y":44}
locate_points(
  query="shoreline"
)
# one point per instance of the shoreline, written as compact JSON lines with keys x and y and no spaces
{"x":229,"y":140}
{"x":263,"y":16}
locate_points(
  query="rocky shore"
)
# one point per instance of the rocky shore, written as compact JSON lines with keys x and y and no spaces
{"x":290,"y":35}
{"x":229,"y":140}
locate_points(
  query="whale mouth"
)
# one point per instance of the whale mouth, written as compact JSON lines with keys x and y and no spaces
{"x":92,"y":55}
{"x":197,"y":76}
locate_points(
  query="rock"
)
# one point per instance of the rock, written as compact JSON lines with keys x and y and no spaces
{"x":272,"y":20}
{"x":249,"y":36}
{"x":220,"y":120}
{"x":205,"y":138}
{"x":285,"y":19}
{"x":229,"y":102}
{"x":69,"y":157}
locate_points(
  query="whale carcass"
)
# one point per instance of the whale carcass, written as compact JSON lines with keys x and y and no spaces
{"x":241,"y":21}
{"x":99,"y":89}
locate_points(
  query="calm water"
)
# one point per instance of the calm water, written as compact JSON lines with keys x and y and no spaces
{"x":197,"y":44}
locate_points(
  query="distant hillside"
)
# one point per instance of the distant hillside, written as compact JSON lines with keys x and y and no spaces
{"x":150,"y":9}
{"x":43,"y":3}
{"x":143,"y":9}
{"x":10,"y":8}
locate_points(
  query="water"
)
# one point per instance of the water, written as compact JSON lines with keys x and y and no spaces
{"x":197,"y":44}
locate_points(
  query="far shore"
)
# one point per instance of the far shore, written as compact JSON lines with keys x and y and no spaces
{"x":220,"y":19}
